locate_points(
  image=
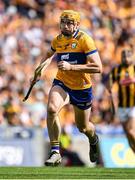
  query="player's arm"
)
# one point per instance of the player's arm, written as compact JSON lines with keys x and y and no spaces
{"x":93,"y":65}
{"x":111,"y":79}
{"x":46,"y":60}
{"x":44,"y":63}
{"x":37,"y":73}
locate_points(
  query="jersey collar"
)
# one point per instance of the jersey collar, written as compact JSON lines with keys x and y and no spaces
{"x":75,"y":33}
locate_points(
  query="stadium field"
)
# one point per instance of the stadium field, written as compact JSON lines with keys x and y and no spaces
{"x":65,"y":173}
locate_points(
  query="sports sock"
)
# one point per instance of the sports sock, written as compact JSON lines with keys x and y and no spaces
{"x":93,"y":140}
{"x":55,"y":146}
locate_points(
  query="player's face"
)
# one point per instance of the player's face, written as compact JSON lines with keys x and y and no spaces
{"x":127,"y":57}
{"x":68,"y":27}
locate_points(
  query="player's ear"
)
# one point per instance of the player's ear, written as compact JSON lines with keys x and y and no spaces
{"x":60,"y":25}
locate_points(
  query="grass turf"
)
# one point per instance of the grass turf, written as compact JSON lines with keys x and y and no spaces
{"x":65,"y":173}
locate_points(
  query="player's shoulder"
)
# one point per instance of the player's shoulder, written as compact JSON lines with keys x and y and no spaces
{"x":57,"y":37}
{"x":116,"y":67}
{"x":84,"y":35}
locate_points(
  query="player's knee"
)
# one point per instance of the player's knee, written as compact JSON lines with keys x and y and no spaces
{"x":82,"y":130}
{"x":85,"y":130}
{"x":51,"y":109}
{"x":131,"y":132}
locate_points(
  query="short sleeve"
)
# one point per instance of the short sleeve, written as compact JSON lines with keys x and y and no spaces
{"x":88,"y":45}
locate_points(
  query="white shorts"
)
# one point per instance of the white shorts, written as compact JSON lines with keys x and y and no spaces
{"x":125,"y":113}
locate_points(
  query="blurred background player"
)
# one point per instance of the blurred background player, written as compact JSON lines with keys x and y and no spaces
{"x":77,"y":57}
{"x":124,"y":75}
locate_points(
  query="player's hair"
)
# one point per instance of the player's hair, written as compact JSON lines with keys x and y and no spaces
{"x":71,"y":14}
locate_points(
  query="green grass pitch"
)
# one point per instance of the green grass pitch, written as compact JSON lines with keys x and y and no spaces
{"x":65,"y":173}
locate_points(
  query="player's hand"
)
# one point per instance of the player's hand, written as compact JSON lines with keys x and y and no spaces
{"x":37,"y":75}
{"x":37,"y":72}
{"x":64,"y":65}
{"x":34,"y":80}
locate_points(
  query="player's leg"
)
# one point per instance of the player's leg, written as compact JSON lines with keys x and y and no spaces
{"x":127,"y":118}
{"x":82,"y":119}
{"x":129,"y":127}
{"x":57,"y":99}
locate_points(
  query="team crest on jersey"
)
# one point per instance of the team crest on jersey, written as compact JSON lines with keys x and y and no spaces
{"x":74,"y":45}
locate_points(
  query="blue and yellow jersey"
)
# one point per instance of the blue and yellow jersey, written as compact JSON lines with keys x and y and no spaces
{"x":74,"y":51}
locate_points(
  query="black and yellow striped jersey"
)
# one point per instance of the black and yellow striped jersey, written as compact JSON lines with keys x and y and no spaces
{"x":125,"y":77}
